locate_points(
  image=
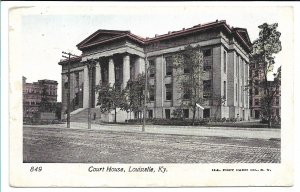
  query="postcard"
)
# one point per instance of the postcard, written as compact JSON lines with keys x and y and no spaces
{"x":150,"y":95}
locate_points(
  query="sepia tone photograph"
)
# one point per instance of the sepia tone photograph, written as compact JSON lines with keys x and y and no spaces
{"x":176,"y":97}
{"x":147,"y":89}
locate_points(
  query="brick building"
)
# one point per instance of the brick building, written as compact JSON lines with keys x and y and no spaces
{"x":256,"y":94}
{"x":121,"y":56}
{"x":33,"y":93}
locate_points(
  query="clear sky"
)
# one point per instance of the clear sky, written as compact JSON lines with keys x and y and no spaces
{"x":46,"y":32}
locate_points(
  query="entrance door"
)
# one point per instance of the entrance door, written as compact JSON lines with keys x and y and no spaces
{"x":206,"y":113}
{"x":243,"y":115}
{"x":256,"y":114}
{"x":168,"y":113}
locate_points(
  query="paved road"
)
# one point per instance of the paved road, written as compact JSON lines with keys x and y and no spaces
{"x":259,"y":133}
{"x":94,"y":146}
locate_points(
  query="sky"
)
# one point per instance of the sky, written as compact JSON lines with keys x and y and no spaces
{"x":47,"y":31}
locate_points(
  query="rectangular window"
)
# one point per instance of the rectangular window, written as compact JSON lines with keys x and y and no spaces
{"x":168,"y":113}
{"x":277,"y":112}
{"x":256,"y":102}
{"x":186,"y":69}
{"x":136,"y":115}
{"x":169,"y":66}
{"x":118,"y":74}
{"x":206,"y":113}
{"x":224,"y":89}
{"x":242,"y":94}
{"x":256,"y":73}
{"x":225,"y":61}
{"x":206,"y":67}
{"x":207,"y":88}
{"x":150,"y":114}
{"x":151,"y":93}
{"x":168,"y":92}
{"x":186,"y":113}
{"x":104,"y":75}
{"x":256,"y":92}
{"x":131,"y":69}
{"x":236,"y":92}
{"x":152,"y":68}
{"x":186,"y":93}
{"x":207,"y":52}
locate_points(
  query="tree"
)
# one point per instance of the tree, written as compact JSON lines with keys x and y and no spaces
{"x":45,"y":104}
{"x":262,"y":62}
{"x":134,"y":94}
{"x":110,"y":98}
{"x":189,"y":73}
{"x":267,"y":100}
{"x":58,"y":108}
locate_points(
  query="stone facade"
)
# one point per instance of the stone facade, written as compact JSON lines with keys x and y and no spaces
{"x":122,"y":55}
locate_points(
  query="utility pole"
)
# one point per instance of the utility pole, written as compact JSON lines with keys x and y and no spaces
{"x":69,"y":87}
{"x":145,"y":93}
{"x":91,"y":65}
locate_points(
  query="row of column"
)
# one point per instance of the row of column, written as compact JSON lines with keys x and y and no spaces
{"x":139,"y":67}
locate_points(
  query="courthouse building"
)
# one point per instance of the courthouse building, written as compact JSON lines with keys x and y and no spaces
{"x":121,"y":56}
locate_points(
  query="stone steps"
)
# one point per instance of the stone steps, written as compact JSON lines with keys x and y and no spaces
{"x":82,"y":116}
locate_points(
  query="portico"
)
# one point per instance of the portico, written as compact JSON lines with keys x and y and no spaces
{"x":116,"y":69}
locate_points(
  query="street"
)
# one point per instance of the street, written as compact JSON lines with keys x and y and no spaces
{"x":61,"y":145}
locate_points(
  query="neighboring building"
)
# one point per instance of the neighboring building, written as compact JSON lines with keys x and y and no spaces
{"x":257,"y":93}
{"x":121,"y":56}
{"x":33,"y":93}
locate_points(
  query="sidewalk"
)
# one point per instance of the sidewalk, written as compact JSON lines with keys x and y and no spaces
{"x":259,"y":133}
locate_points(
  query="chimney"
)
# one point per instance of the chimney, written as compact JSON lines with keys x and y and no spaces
{"x":156,"y":35}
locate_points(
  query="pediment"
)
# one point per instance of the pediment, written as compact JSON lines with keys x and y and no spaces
{"x":101,"y":36}
{"x":244,"y":35}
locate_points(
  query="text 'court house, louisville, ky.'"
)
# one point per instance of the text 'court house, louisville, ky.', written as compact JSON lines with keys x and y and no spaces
{"x":121,"y":56}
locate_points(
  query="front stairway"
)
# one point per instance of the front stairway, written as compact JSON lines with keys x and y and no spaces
{"x":96,"y":116}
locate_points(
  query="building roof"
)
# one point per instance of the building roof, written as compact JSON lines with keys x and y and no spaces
{"x":102,"y":36}
{"x":111,"y":35}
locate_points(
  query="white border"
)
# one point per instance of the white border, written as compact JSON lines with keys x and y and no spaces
{"x":4,"y":76}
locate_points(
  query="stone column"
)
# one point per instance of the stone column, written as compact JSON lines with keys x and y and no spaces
{"x":139,"y":66}
{"x":111,"y":71}
{"x":97,"y":80}
{"x":85,"y":87}
{"x":126,"y":70}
